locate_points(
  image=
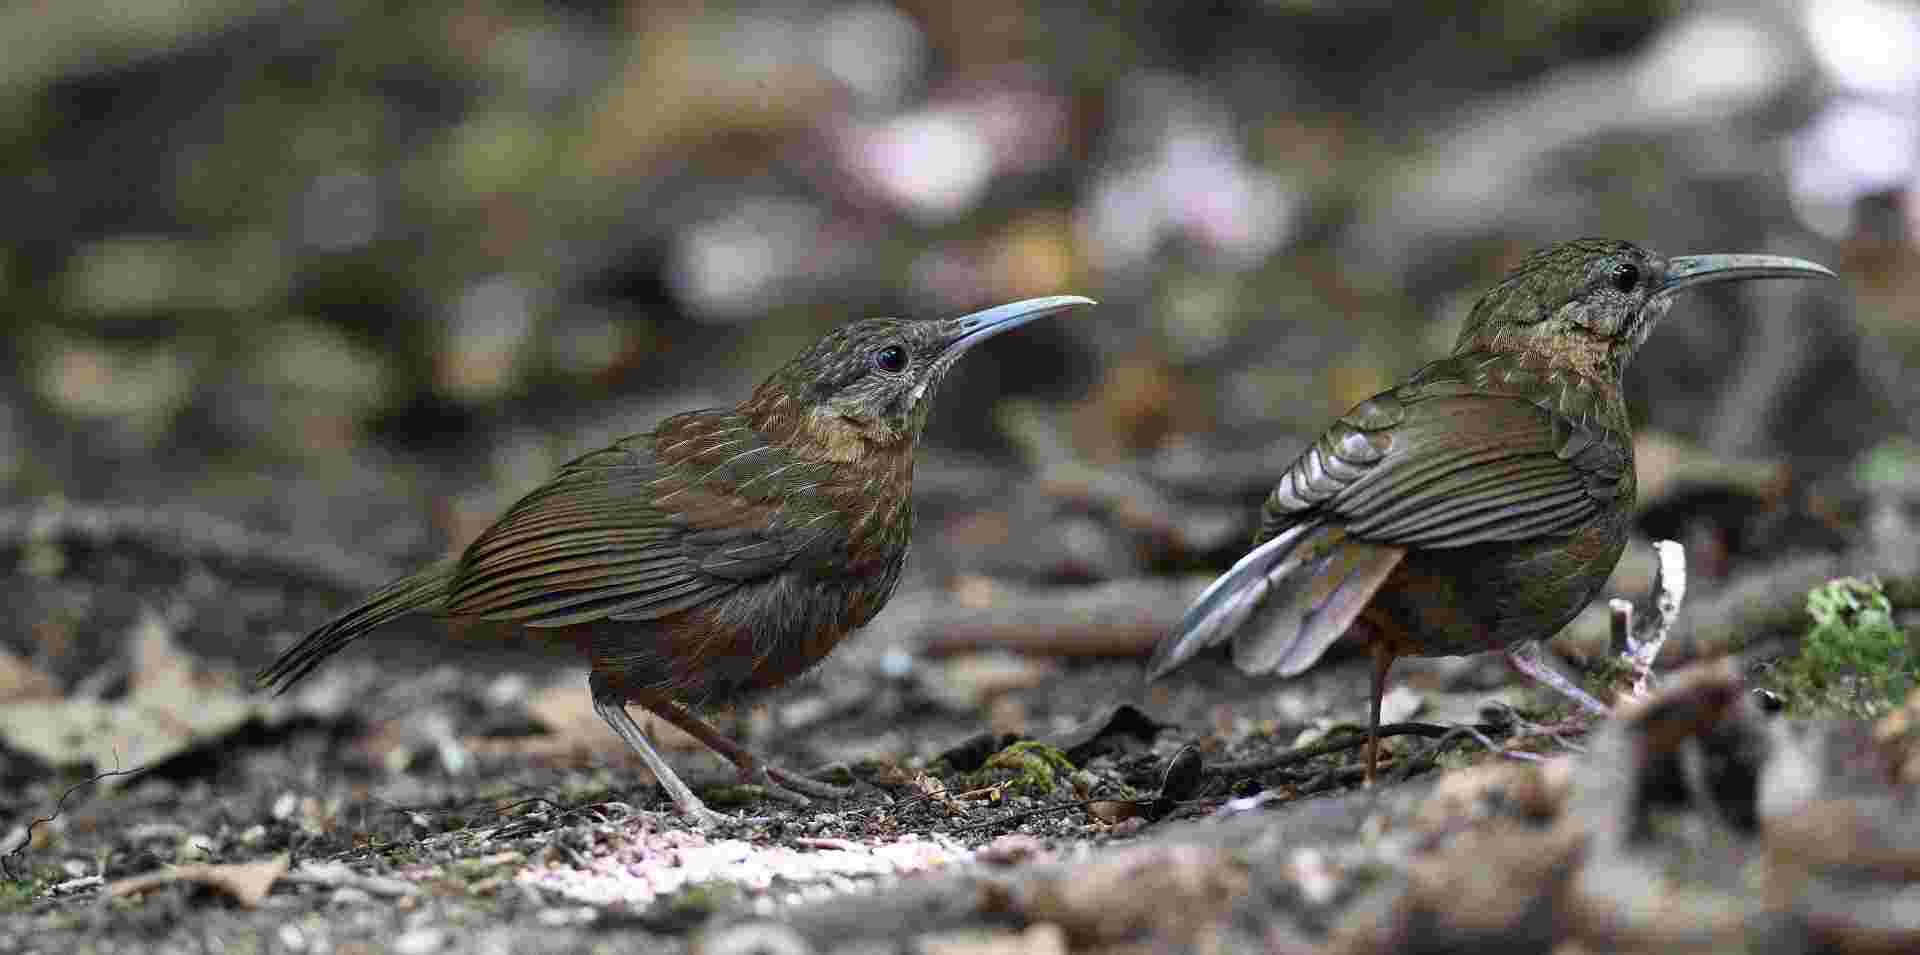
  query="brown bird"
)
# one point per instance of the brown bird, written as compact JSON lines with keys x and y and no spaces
{"x":724,"y":552}
{"x":1479,"y":505}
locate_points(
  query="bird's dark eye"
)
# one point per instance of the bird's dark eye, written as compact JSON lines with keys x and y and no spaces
{"x":892,"y":358}
{"x":1625,"y":276}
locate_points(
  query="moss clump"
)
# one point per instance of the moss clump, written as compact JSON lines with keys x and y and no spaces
{"x":1038,"y":767}
{"x":17,"y":894}
{"x":1606,"y":676}
{"x":1855,"y":661}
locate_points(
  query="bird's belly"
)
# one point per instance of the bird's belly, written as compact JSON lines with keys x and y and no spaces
{"x":756,"y":638}
{"x":1448,"y":602}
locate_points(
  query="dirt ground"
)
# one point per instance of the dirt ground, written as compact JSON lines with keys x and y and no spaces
{"x":301,"y":296}
{"x":419,"y":795}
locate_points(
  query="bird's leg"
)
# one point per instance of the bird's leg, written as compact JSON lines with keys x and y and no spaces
{"x":779,"y":783}
{"x":1525,"y":657}
{"x":1382,"y":661}
{"x":611,"y":704}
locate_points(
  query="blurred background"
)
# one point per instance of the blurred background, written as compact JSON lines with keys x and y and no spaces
{"x":358,"y":274}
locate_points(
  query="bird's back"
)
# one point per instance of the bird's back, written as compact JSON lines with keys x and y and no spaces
{"x":706,"y":557}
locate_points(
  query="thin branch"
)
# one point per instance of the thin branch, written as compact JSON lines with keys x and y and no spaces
{"x":1354,"y":740}
{"x":1026,"y":814}
{"x":59,"y":806}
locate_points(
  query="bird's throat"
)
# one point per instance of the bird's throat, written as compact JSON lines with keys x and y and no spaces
{"x":823,"y":434}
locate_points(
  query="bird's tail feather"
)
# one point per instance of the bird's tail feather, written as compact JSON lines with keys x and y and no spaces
{"x":425,"y":590}
{"x":1307,"y":585}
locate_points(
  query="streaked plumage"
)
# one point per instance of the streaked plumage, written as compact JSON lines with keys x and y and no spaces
{"x":724,"y":552}
{"x":1478,"y":505}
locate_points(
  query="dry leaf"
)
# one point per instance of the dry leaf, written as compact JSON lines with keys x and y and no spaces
{"x":159,"y":666}
{"x":168,"y":711}
{"x":1111,"y":811}
{"x":247,"y":882}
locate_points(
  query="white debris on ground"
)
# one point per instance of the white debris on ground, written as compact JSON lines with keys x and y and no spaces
{"x":639,"y":864}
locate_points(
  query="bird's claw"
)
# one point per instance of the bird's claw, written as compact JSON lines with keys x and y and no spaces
{"x":809,"y":786}
{"x":1525,"y":658}
{"x":759,"y":775}
{"x":791,"y":788}
{"x":702,"y":817}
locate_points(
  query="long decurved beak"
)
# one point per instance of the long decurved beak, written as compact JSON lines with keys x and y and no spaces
{"x":1686,"y":271}
{"x":971,"y":330}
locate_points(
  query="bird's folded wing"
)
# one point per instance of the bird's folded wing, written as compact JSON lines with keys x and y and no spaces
{"x":1441,"y":468}
{"x":615,"y":535}
{"x":1446,"y":461}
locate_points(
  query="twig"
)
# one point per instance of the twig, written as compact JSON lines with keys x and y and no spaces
{"x":59,"y":805}
{"x":1520,"y":727}
{"x":1430,"y":753}
{"x":1026,"y":814}
{"x":1478,"y":737}
{"x":1356,"y":739}
{"x":905,"y":803}
{"x":552,"y":818}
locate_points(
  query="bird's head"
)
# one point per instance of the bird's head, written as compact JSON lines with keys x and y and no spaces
{"x":872,"y":382}
{"x":1601,"y":297}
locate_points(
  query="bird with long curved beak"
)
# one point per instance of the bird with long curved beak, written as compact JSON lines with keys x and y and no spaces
{"x":1480,"y":504}
{"x":722,"y":553}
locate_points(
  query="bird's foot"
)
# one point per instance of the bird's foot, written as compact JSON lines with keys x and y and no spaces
{"x":810,"y":786}
{"x":759,"y":775}
{"x":702,"y":817}
{"x":1525,"y":658}
{"x":791,"y":788}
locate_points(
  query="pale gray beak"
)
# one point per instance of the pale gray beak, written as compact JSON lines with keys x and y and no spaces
{"x":971,"y":330}
{"x":1686,"y":271}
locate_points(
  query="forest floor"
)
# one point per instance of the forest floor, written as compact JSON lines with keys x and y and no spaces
{"x":414,"y":798}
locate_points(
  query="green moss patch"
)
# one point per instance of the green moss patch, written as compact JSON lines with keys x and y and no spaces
{"x":1855,"y":661}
